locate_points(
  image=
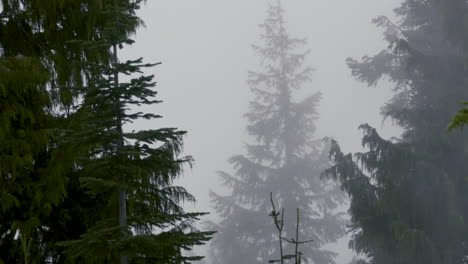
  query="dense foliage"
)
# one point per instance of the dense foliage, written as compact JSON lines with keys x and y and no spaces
{"x":283,"y":159}
{"x":133,"y":169}
{"x":37,"y":65}
{"x":408,"y":195}
{"x":454,"y":19}
{"x":65,"y":159}
{"x":45,"y":30}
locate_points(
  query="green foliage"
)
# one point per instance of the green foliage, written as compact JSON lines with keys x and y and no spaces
{"x":140,"y":165}
{"x":40,"y":196}
{"x":283,"y":158}
{"x":408,"y":195}
{"x":47,"y":30}
{"x":49,"y":50}
{"x":32,"y":168}
{"x":460,"y":119}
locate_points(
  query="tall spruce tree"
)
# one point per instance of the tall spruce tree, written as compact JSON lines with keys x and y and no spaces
{"x":132,"y":172}
{"x":45,"y":30}
{"x":37,"y":69}
{"x":283,"y":159}
{"x":30,"y":171}
{"x":408,"y":196}
{"x":454,"y":14}
{"x":42,"y":199}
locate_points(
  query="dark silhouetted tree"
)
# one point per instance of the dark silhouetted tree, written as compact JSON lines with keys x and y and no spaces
{"x":38,"y":67}
{"x":44,"y":195}
{"x":131,"y":171}
{"x":408,"y":195}
{"x":453,"y":15}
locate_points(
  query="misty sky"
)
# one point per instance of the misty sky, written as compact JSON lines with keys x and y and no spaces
{"x":205,"y":50}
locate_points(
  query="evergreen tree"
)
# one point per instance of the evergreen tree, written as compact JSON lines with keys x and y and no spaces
{"x":453,"y":14}
{"x":132,"y":172}
{"x":42,"y":199}
{"x":30,"y":168}
{"x":408,"y":195}
{"x":46,"y":30}
{"x":34,"y":172}
{"x":284,"y":159}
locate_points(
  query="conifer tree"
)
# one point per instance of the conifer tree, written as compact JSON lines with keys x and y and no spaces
{"x":42,"y":200}
{"x":40,"y":196}
{"x":131,"y":171}
{"x":453,"y":15}
{"x":283,"y":159}
{"x":46,"y":30}
{"x":408,"y":195}
{"x":33,"y":169}
{"x":30,"y":169}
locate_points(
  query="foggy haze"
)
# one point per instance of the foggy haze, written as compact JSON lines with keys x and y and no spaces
{"x":318,"y":131}
{"x":205,"y":50}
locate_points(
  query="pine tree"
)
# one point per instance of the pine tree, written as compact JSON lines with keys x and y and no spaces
{"x":284,"y":159}
{"x":43,"y":201}
{"x":408,"y":195}
{"x":131,"y":171}
{"x":46,"y":30}
{"x":41,"y":198}
{"x":30,"y":170}
{"x":39,"y":70}
{"x":453,"y":15}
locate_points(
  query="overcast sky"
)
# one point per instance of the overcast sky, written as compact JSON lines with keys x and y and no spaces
{"x":205,"y":50}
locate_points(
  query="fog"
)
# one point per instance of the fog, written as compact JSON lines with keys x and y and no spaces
{"x":205,"y":50}
{"x":325,"y":132}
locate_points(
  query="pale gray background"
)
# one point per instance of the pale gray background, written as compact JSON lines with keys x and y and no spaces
{"x":205,"y":49}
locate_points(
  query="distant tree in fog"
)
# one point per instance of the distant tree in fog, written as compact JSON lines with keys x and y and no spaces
{"x":410,"y":207}
{"x":283,"y":158}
